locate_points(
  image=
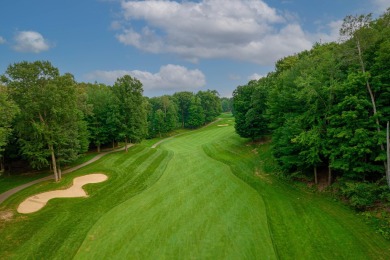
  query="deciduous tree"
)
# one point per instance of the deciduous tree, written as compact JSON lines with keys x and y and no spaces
{"x":8,"y":111}
{"x":49,"y":124}
{"x":132,"y":109}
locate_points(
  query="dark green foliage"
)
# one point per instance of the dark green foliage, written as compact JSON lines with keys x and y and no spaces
{"x":196,"y":114}
{"x":59,"y":117}
{"x":352,"y":133}
{"x":362,"y":195}
{"x":327,"y":107}
{"x":227,"y":104}
{"x":242,"y":97}
{"x":182,"y":109}
{"x":250,"y":107}
{"x":132,"y":109}
{"x":49,"y":125}
{"x":183,"y":101}
{"x":8,"y":111}
{"x":256,"y":120}
{"x":162,"y":115}
{"x":211,"y":104}
{"x":104,"y":118}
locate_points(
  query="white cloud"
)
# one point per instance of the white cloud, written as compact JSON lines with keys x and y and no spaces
{"x":170,"y":77}
{"x":147,"y":40}
{"x":381,"y":5}
{"x":246,"y":30}
{"x":30,"y":41}
{"x":2,"y":40}
{"x":332,"y":33}
{"x":255,"y":76}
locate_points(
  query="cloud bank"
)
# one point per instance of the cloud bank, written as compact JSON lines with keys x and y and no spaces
{"x":30,"y":41}
{"x":381,"y":5}
{"x":170,"y":77}
{"x":247,"y":30}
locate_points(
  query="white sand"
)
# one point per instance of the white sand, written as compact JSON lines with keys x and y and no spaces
{"x":37,"y":202}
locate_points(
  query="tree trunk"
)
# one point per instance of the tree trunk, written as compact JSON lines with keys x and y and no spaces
{"x":378,"y":127}
{"x":368,"y":84}
{"x":315,"y":175}
{"x":59,"y":172}
{"x":388,"y":154}
{"x":329,"y":176}
{"x":98,"y":148}
{"x":182,"y":118}
{"x":53,"y":162}
{"x":1,"y":164}
{"x":126,"y":144}
{"x":113,"y":144}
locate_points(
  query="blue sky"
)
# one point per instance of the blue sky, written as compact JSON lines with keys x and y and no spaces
{"x":170,"y":45}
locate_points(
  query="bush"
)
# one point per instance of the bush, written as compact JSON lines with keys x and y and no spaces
{"x":361,"y":195}
{"x":380,"y":220}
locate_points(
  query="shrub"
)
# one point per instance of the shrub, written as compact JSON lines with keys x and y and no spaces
{"x":361,"y":195}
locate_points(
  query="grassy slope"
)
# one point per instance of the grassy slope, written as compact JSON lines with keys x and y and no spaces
{"x":57,"y":231}
{"x":196,"y":196}
{"x":303,"y":225}
{"x":197,"y":209}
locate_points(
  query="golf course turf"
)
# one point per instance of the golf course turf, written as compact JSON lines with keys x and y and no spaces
{"x":200,"y":195}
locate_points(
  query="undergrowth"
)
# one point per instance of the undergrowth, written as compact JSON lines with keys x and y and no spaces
{"x":369,"y":200}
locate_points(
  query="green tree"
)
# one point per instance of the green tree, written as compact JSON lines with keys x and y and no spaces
{"x":8,"y":111}
{"x":183,"y":101}
{"x":226,"y":104}
{"x":319,"y":75}
{"x":256,"y":120}
{"x":242,"y":97}
{"x":351,"y":132}
{"x":358,"y":32}
{"x":196,"y":116}
{"x":170,"y":114}
{"x":49,"y":125}
{"x":210,"y":103}
{"x":326,"y":106}
{"x":104,"y":119}
{"x":159,"y":121}
{"x":133,"y":124}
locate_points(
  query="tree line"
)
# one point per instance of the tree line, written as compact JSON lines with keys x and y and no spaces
{"x":49,"y":119}
{"x":327,"y":108}
{"x":182,"y":110}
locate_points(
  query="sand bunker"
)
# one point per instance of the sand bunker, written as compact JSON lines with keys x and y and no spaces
{"x":224,"y":125}
{"x":37,"y":202}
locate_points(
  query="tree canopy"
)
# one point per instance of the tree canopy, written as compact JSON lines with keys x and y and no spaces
{"x":49,"y":119}
{"x":326,"y":108}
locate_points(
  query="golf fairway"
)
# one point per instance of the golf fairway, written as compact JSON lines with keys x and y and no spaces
{"x":197,"y":209}
{"x":201,"y":195}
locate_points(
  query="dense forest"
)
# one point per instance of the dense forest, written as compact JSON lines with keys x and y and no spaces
{"x":326,"y":110}
{"x":48,"y":119}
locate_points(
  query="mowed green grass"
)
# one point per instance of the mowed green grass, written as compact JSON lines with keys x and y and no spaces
{"x":10,"y":182}
{"x":198,"y":209}
{"x":201,"y":195}
{"x":303,"y":225}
